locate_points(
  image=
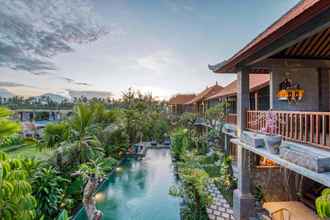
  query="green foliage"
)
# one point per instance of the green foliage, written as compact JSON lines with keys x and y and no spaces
{"x":179,"y":140}
{"x":92,"y":132}
{"x":200,"y":143}
{"x":54,"y":134}
{"x":82,"y":119}
{"x":217,"y":113}
{"x":216,"y":116}
{"x":323,"y":204}
{"x":63,"y":215}
{"x":7,"y":127}
{"x":194,"y":181}
{"x":92,"y":168}
{"x":226,"y":181}
{"x":14,"y":139}
{"x":114,"y":139}
{"x":16,"y":199}
{"x":48,"y":188}
{"x":187,"y":120}
{"x":259,"y":194}
{"x":108,"y":164}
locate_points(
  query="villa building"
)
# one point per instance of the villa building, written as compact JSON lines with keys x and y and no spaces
{"x":200,"y":103}
{"x":259,"y":96}
{"x":177,"y":104}
{"x":295,"y":52}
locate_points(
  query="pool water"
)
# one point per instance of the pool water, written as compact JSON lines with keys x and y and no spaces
{"x":138,"y":190}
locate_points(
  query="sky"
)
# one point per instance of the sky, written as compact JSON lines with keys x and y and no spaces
{"x":158,"y":46}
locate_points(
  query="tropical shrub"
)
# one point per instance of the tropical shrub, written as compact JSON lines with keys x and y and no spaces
{"x":64,"y":215}
{"x":179,"y":140}
{"x":48,"y":188}
{"x":13,"y":139}
{"x":216,"y":116}
{"x":54,"y":134}
{"x":114,"y":140}
{"x":323,"y":204}
{"x":7,"y":126}
{"x":194,"y":190}
{"x":92,"y":173}
{"x":226,"y":181}
{"x":16,"y":199}
{"x":200,"y":143}
{"x":187,"y":120}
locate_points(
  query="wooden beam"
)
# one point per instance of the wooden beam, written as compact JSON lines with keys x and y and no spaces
{"x":310,"y":28}
{"x":291,"y":63}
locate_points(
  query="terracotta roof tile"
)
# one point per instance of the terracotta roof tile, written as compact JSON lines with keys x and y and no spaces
{"x":210,"y":91}
{"x":181,"y":99}
{"x":257,"y":81}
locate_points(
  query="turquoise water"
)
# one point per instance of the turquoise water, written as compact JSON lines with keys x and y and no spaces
{"x":139,"y":190}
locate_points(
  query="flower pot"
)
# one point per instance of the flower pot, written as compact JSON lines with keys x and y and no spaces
{"x":273,"y":143}
{"x":253,"y":139}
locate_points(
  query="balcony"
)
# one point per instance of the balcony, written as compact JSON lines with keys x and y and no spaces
{"x":303,"y":127}
{"x":231,"y":118}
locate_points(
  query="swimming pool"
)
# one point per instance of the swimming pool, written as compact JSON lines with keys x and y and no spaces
{"x":138,"y":190}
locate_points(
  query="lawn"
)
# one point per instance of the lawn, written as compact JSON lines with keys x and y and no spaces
{"x":31,"y":151}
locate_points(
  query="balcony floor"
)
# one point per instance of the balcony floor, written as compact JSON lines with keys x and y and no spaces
{"x":323,"y":178}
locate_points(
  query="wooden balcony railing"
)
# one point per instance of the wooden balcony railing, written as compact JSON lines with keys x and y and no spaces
{"x":231,"y":118}
{"x":304,"y":127}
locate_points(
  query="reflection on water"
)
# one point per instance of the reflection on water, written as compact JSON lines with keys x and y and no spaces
{"x":139,"y":190}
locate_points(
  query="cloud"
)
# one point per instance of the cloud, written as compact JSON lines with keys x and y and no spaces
{"x":34,"y":31}
{"x":158,"y":61}
{"x":72,"y":81}
{"x":13,"y":84}
{"x":89,"y":93}
{"x":179,"y":5}
{"x":82,"y":84}
{"x":157,"y":92}
{"x":41,"y":73}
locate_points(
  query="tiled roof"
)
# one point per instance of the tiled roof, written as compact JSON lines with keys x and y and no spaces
{"x":209,"y":91}
{"x":181,"y":99}
{"x":257,"y":81}
{"x":295,"y":17}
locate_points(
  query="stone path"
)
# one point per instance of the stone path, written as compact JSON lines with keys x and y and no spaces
{"x":220,"y":209}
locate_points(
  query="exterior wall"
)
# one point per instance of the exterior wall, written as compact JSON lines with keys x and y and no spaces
{"x":188,"y":108}
{"x":324,"y":90}
{"x":212,"y":102}
{"x":308,"y":78}
{"x":270,"y":179}
{"x":263,"y":99}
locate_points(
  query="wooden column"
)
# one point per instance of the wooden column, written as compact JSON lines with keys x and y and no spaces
{"x":244,"y":202}
{"x":243,"y":100}
{"x":256,"y":94}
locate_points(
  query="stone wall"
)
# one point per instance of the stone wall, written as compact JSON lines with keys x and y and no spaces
{"x":270,"y":179}
{"x":307,"y":78}
{"x":220,"y":209}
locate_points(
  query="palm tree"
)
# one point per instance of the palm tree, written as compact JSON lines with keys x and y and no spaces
{"x":86,"y":145}
{"x":81,"y":145}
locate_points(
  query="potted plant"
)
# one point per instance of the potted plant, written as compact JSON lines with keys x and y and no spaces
{"x":272,"y":140}
{"x":323,"y":204}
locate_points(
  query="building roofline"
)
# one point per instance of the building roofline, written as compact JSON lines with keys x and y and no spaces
{"x":296,"y":17}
